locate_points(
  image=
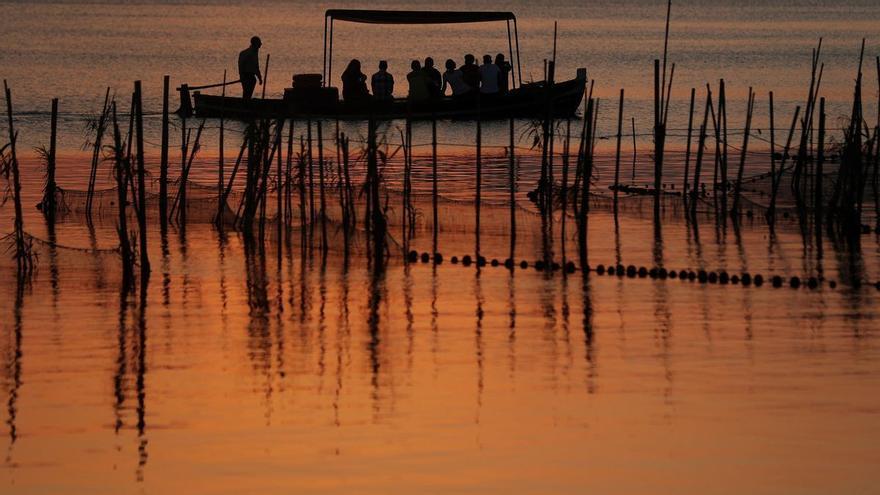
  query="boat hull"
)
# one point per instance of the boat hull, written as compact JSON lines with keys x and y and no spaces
{"x":531,"y":100}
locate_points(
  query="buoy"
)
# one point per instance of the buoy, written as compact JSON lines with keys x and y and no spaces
{"x":683,"y":274}
{"x":495,"y":262}
{"x":794,"y":282}
{"x":777,"y":281}
{"x":653,"y":273}
{"x":713,"y":277}
{"x":663,"y":273}
{"x":759,"y":280}
{"x":620,"y":270}
{"x":610,"y":270}
{"x":523,"y":264}
{"x":832,"y":284}
{"x":877,"y":285}
{"x":438,"y":258}
{"x":412,"y":257}
{"x":673,"y":274}
{"x":631,"y":271}
{"x":569,"y":267}
{"x":734,"y":279}
{"x":812,"y":283}
{"x":555,"y":266}
{"x":454,"y":260}
{"x":508,"y":263}
{"x":702,"y":276}
{"x":426,"y":257}
{"x":723,"y":277}
{"x":691,"y":275}
{"x":481,"y":261}
{"x":746,"y":279}
{"x":539,"y":265}
{"x":600,"y":269}
{"x":466,"y":260}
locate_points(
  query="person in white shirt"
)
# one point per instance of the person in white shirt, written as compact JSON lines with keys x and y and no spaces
{"x":454,"y":78}
{"x":489,"y":73}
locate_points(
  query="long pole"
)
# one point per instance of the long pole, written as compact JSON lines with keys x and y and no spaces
{"x":434,"y":185}
{"x":321,"y":187}
{"x":617,"y":151}
{"x":511,"y":177}
{"x":163,"y":157}
{"x":687,"y":151}
{"x":49,"y":197}
{"x":142,"y":201}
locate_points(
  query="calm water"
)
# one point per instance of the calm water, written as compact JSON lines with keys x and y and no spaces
{"x":255,"y":369}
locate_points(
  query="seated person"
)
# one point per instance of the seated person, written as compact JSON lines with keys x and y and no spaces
{"x":504,"y":75}
{"x":418,"y":84}
{"x":455,"y":80}
{"x":354,"y":82}
{"x":471,"y":72}
{"x":433,"y":78}
{"x":382,"y":83}
{"x":489,"y":75}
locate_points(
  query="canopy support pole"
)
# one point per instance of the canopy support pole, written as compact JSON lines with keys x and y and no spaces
{"x":518,"y":66}
{"x":510,"y":48}
{"x":330,"y":57}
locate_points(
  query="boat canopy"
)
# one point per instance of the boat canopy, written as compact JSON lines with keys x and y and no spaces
{"x":414,"y":17}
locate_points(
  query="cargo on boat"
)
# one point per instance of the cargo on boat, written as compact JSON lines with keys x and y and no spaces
{"x":310,"y":95}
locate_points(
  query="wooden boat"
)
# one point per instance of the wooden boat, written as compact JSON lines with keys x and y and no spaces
{"x":317,"y":100}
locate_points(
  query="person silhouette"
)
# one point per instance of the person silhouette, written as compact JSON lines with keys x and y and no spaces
{"x":249,"y":68}
{"x":489,"y":76}
{"x":471,"y":72}
{"x":382,"y":82}
{"x":433,"y":78}
{"x":505,"y":69}
{"x":418,"y":82}
{"x":354,"y":82}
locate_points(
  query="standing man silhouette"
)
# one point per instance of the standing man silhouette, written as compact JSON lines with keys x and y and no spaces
{"x":249,"y":68}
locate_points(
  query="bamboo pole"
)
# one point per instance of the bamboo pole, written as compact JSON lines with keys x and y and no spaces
{"x":221,"y":160}
{"x":617,"y":149}
{"x":321,"y":186}
{"x":698,"y":165}
{"x":23,"y":261}
{"x":163,"y":157}
{"x":771,"y":212}
{"x":511,"y":183}
{"x":687,"y":151}
{"x":96,"y":155}
{"x":820,"y":161}
{"x":750,"y":107}
{"x":121,"y":170}
{"x":566,"y":147}
{"x":141,"y":190}
{"x":51,"y":187}
{"x":479,"y":184}
{"x":434,"y":187}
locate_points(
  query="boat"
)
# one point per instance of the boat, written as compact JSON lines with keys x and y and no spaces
{"x":311,"y":97}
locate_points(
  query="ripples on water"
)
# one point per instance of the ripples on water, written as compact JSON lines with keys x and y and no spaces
{"x":252,"y":369}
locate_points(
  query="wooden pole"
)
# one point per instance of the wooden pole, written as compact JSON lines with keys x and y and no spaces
{"x":22,"y":258}
{"x":479,"y":184}
{"x":617,"y":150}
{"x":511,"y":178}
{"x":434,"y":185}
{"x":735,"y":211}
{"x":49,"y":194}
{"x":687,"y":151}
{"x":141,"y":189}
{"x":322,"y":198}
{"x":820,"y":161}
{"x":163,"y":157}
{"x":221,"y":163}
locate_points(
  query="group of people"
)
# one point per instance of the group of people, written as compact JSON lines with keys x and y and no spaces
{"x":427,"y":83}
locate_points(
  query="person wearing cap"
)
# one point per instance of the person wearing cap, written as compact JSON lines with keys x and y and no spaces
{"x":249,"y":68}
